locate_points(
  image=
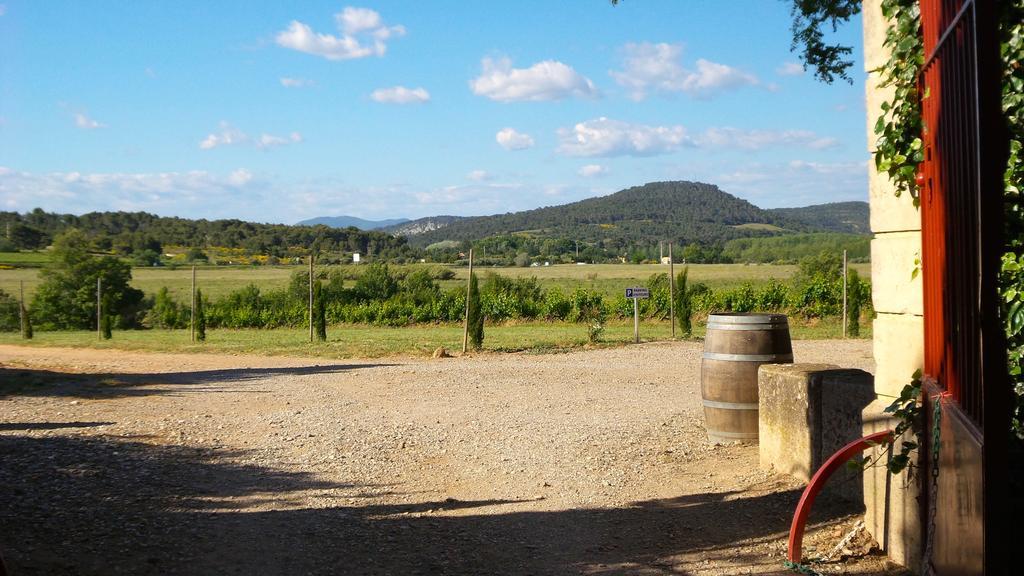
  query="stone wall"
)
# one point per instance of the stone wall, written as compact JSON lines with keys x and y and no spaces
{"x":892,"y":514}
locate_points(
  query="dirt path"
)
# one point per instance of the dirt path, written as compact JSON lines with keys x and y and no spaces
{"x":582,"y":463}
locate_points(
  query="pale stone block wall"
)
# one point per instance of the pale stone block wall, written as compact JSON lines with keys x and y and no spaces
{"x":892,"y":513}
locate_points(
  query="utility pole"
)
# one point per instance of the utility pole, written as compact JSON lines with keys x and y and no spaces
{"x":661,"y":252}
{"x":469,"y":280}
{"x":844,"y":293}
{"x":192,"y":317}
{"x":99,"y":307}
{"x":671,"y":290}
{"x":310,"y":296}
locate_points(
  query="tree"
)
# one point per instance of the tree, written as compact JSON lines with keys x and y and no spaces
{"x":10,"y":314}
{"x":855,"y":295}
{"x":200,"y":316}
{"x":26,"y":322}
{"x":684,"y":303}
{"x":28,"y":238}
{"x":376,"y":283}
{"x":165,"y":312}
{"x":66,"y":298}
{"x":105,"y":320}
{"x":319,"y":312}
{"x":476,"y":316}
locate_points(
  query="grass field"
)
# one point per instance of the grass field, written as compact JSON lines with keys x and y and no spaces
{"x":608,"y":278}
{"x":348,"y":341}
{"x":23,"y":258}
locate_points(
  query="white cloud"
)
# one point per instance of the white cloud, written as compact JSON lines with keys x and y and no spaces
{"x":240,"y":177}
{"x":479,"y":175}
{"x":227,"y":136}
{"x":547,"y":80}
{"x":194,"y":192}
{"x":510,"y":139}
{"x":296,"y":82}
{"x":86,"y":123}
{"x":400,"y":95}
{"x":355,"y":20}
{"x":790,"y":69}
{"x":796,"y":183}
{"x":758,"y":139}
{"x":606,"y":137}
{"x":270,"y":141}
{"x":651,"y":67}
{"x":362,"y":34}
{"x":592,"y":170}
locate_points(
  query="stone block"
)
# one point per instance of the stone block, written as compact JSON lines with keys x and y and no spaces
{"x":894,"y":289}
{"x":788,"y":417}
{"x":875,"y":26}
{"x":892,"y":511}
{"x":807,"y":413}
{"x":898,"y":341}
{"x":888,"y":212}
{"x":844,"y":395}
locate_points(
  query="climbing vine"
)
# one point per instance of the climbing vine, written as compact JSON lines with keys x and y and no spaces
{"x":898,"y":146}
{"x":1011,"y":279}
{"x":898,"y":149}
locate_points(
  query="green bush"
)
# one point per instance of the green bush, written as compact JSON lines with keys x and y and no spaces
{"x":10,"y":313}
{"x":66,"y":298}
{"x":475,"y":315}
{"x":684,"y":302}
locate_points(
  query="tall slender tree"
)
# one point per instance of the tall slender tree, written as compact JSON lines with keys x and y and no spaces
{"x":683,"y":303}
{"x":476,"y":315}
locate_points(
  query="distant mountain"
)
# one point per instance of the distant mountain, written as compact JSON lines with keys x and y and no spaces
{"x":683,"y":212}
{"x":849,"y":217}
{"x":347,"y":221}
{"x":421,"y":225}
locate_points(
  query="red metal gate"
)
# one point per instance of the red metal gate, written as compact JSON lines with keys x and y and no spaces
{"x":965,"y":151}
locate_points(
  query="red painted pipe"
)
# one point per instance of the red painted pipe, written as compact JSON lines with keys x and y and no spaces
{"x":803,"y":509}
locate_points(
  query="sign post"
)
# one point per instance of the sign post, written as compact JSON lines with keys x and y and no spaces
{"x":636,"y":293}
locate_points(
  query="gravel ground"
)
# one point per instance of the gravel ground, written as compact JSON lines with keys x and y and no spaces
{"x":590,"y":462}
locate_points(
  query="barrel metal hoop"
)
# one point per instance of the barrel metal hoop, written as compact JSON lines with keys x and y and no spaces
{"x":781,"y":358}
{"x":749,"y":319}
{"x":773,"y":326}
{"x":731,"y":405}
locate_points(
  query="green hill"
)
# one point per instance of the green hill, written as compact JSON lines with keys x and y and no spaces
{"x":682,"y":212}
{"x":848,"y":217}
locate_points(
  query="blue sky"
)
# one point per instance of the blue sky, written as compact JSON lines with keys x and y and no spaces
{"x":275,"y":113}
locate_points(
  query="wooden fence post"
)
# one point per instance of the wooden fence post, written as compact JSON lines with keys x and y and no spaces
{"x":99,"y":307}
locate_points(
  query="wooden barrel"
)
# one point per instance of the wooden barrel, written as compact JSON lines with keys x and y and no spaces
{"x":734,"y":346}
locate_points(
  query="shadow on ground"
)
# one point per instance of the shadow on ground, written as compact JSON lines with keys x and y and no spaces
{"x":15,"y":381}
{"x":100,"y":505}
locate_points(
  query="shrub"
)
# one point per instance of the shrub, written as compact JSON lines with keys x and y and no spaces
{"x":319,"y":312}
{"x":200,"y":316}
{"x":10,"y":313}
{"x":684,"y":302}
{"x":475,"y":314}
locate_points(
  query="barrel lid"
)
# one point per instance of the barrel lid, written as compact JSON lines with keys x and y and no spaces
{"x":747,"y":318}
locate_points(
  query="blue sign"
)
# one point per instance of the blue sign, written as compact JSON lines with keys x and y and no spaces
{"x":638,"y":292}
